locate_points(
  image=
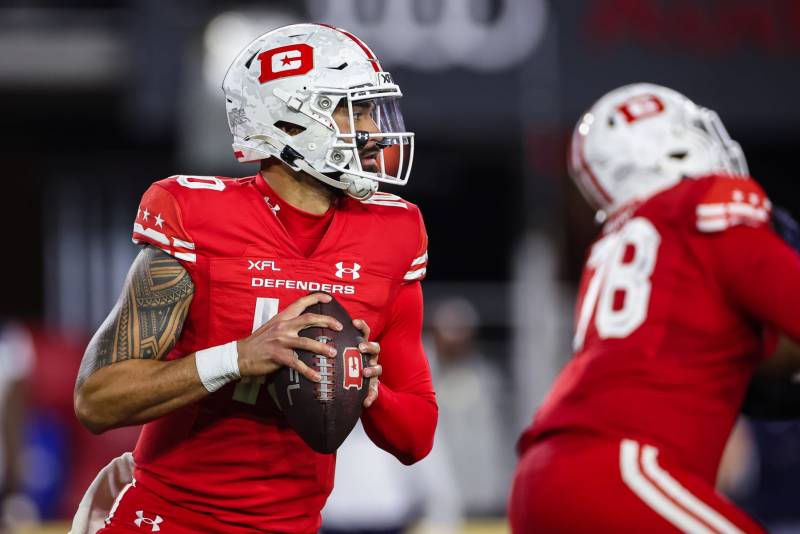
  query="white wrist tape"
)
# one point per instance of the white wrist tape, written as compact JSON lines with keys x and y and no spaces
{"x":217,"y":365}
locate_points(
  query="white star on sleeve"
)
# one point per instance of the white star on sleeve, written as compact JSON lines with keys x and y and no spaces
{"x":146,"y":214}
{"x":159,"y":221}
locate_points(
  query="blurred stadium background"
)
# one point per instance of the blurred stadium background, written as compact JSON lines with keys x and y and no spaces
{"x":98,"y":98}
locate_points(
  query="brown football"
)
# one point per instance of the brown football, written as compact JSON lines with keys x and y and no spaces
{"x":324,"y":413}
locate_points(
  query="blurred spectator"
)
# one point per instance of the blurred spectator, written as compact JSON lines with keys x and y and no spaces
{"x":374,"y":493}
{"x":738,"y":469}
{"x":470,"y":393}
{"x":774,"y":496}
{"x":59,"y":457}
{"x":761,"y":465}
{"x":760,"y":470}
{"x":16,"y":360}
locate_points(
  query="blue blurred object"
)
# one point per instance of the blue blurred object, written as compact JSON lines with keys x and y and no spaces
{"x":786,"y":226}
{"x":47,"y":458}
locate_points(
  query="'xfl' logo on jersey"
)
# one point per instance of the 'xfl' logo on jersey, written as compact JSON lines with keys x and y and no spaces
{"x":262,"y":265}
{"x":342,"y":269}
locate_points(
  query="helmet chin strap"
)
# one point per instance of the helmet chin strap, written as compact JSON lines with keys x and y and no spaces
{"x":355,"y":186}
{"x":358,"y":187}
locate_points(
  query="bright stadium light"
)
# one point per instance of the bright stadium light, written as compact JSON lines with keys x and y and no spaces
{"x":229,"y":32}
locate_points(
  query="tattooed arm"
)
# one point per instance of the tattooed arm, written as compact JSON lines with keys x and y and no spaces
{"x":123,"y":378}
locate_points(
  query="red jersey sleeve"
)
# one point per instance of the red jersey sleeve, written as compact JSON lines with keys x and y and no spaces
{"x":758,"y":271}
{"x":730,"y":202}
{"x":159,"y":222}
{"x":418,"y":265}
{"x":761,"y":275}
{"x":403,"y":418}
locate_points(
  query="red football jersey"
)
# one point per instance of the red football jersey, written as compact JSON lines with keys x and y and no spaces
{"x":679,"y":301}
{"x":233,"y":455}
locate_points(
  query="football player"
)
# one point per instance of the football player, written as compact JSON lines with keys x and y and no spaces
{"x":682,"y":295}
{"x":214,"y":302}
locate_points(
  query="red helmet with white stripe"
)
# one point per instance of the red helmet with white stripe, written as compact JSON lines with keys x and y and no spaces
{"x":297,"y":76}
{"x":643,"y":138}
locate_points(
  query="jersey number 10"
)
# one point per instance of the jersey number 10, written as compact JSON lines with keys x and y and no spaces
{"x":618,"y":293}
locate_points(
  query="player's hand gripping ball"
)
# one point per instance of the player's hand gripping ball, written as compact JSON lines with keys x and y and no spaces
{"x":324,"y":413}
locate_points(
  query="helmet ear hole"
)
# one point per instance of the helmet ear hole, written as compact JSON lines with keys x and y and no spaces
{"x":611,"y":121}
{"x":680,"y":155}
{"x":290,"y":127}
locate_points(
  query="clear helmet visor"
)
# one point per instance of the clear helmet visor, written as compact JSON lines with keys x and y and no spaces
{"x":374,"y":142}
{"x":390,"y":119}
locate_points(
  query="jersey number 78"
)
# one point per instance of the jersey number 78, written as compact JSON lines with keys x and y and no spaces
{"x":618,"y":294}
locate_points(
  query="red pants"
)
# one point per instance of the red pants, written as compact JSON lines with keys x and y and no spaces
{"x":578,"y":484}
{"x":141,"y":511}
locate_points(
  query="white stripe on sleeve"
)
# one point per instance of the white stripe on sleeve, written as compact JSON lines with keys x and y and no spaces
{"x":419,"y":261}
{"x":414,"y":275}
{"x":152,"y":234}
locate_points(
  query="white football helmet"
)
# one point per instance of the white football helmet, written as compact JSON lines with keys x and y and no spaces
{"x":644,"y":138}
{"x":299,"y":74}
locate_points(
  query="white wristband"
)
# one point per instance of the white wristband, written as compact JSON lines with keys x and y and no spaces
{"x":217,"y":365}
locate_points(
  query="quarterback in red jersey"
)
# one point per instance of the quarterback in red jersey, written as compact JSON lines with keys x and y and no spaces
{"x":214,"y":303}
{"x":682,"y":296}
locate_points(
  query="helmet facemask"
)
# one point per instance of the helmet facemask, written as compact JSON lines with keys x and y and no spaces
{"x":730,"y":153}
{"x":342,"y":165}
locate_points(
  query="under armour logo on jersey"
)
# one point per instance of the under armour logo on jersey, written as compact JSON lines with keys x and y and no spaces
{"x":147,"y":521}
{"x":272,"y":205}
{"x":341,"y":270}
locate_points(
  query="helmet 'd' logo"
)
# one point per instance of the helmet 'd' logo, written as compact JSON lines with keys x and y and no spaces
{"x":284,"y":61}
{"x":353,"y":370}
{"x":342,"y":270}
{"x":641,"y":107}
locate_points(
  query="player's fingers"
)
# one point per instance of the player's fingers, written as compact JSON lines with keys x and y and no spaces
{"x":314,"y":319}
{"x":274,"y":319}
{"x":297,"y":364}
{"x":373,"y":371}
{"x":362,"y":326}
{"x":370,"y":347}
{"x":296,"y":308}
{"x":310,"y":345}
{"x":372,"y":395}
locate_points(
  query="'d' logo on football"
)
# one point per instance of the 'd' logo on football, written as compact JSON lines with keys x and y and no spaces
{"x":353,"y":375}
{"x":285,"y":61}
